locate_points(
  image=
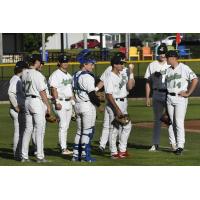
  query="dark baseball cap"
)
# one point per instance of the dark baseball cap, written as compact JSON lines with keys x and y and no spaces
{"x":21,"y":64}
{"x":120,"y":54}
{"x":117,"y":60}
{"x":162,"y":49}
{"x":63,"y":59}
{"x":172,"y":53}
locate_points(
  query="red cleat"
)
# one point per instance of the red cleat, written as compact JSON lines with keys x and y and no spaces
{"x":115,"y":156}
{"x":123,"y":154}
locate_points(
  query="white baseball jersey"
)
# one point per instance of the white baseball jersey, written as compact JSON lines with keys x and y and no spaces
{"x":62,"y":82}
{"x":115,"y":85}
{"x":33,"y":82}
{"x":177,"y":79}
{"x":15,"y":91}
{"x":157,"y":82}
{"x":124,"y":75}
{"x":86,"y":84}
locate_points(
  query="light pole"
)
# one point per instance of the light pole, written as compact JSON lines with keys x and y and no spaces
{"x":43,"y":47}
{"x":1,"y":48}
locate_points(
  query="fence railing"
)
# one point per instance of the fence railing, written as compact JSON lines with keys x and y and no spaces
{"x":6,"y":70}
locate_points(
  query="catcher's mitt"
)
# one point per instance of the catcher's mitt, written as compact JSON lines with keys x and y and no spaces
{"x":165,"y":119}
{"x":50,"y":118}
{"x":120,"y":121}
{"x":101,"y":96}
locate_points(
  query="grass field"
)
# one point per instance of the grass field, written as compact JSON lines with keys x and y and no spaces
{"x":139,"y":142}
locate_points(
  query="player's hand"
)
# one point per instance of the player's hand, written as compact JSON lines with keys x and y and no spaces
{"x":17,"y":109}
{"x":119,"y":113}
{"x":184,"y":94}
{"x":131,"y":67}
{"x":148,"y":102}
{"x":58,"y":106}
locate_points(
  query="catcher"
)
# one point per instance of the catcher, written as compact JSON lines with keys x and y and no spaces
{"x":116,"y":86}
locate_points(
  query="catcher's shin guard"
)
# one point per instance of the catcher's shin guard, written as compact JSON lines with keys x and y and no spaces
{"x":77,"y":152}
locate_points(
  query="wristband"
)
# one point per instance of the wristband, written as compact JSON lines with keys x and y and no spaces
{"x":96,"y":89}
{"x":57,"y":101}
{"x":131,"y":76}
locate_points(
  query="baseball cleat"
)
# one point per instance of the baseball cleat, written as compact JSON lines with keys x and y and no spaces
{"x":123,"y":154}
{"x":179,"y":151}
{"x":101,"y":149}
{"x":173,"y":147}
{"x":66,"y":152}
{"x":154,"y":148}
{"x":75,"y":159}
{"x":115,"y":156}
{"x":24,"y":160}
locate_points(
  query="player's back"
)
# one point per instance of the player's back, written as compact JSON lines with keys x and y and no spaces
{"x":33,"y":82}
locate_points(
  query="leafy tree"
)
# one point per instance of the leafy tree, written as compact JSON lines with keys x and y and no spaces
{"x":33,"y":41}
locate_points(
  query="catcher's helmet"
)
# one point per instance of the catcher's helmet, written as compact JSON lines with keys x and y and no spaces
{"x":85,"y":57}
{"x":162,"y":49}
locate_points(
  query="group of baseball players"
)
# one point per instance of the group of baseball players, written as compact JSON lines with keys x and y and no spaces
{"x":31,"y":97}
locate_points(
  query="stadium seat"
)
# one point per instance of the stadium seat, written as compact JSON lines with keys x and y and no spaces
{"x":133,"y":53}
{"x":146,"y":52}
{"x":183,"y":52}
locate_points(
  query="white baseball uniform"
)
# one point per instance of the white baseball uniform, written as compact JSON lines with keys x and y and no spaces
{"x":17,"y":98}
{"x":177,"y":80}
{"x":44,"y":123}
{"x":63,"y":83}
{"x":34,"y":83}
{"x":159,"y":95}
{"x":106,"y":124}
{"x":83,"y":83}
{"x":116,"y":85}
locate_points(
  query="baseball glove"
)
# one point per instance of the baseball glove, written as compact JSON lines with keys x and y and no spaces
{"x":165,"y":119}
{"x":101,"y":96}
{"x":120,"y":121}
{"x":50,"y":118}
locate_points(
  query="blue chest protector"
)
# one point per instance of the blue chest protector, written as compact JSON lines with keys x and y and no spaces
{"x":76,"y":87}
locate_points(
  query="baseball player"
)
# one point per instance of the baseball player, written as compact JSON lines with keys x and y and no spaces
{"x":35,"y":92}
{"x":116,"y":93}
{"x":86,"y":100}
{"x":17,"y":107}
{"x":155,"y":78}
{"x":45,"y":110}
{"x":126,"y":72}
{"x":60,"y":82}
{"x":178,"y":76}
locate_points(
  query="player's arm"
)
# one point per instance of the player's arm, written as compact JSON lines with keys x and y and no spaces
{"x":54,"y":94}
{"x":148,"y":91}
{"x":147,"y":76}
{"x":99,"y":85}
{"x":45,"y":100}
{"x":111,"y":100}
{"x":13,"y":97}
{"x":191,"y":88}
{"x":131,"y":80}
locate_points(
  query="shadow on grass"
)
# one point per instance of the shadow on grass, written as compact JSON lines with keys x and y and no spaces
{"x":6,"y":153}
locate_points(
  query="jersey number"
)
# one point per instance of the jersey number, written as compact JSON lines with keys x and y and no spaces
{"x":177,"y":84}
{"x":27,"y":86}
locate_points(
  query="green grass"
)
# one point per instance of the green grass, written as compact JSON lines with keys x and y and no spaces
{"x":140,"y":68}
{"x":139,"y":142}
